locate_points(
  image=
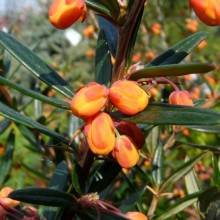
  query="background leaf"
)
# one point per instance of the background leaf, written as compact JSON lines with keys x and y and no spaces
{"x":35,"y":64}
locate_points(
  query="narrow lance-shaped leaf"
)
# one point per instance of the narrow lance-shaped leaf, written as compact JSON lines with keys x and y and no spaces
{"x":6,"y":160}
{"x":157,"y":165}
{"x":17,"y":117}
{"x":216,"y":171}
{"x":59,"y":182}
{"x":179,"y":206}
{"x":179,"y":51}
{"x":163,"y":114}
{"x":206,"y":129}
{"x":172,"y":70}
{"x":35,"y":95}
{"x":181,"y":172}
{"x":43,"y":196}
{"x":103,"y":67}
{"x":35,"y":64}
{"x":98,"y":7}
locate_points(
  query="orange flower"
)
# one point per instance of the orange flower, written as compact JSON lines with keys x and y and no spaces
{"x":63,"y":13}
{"x":130,"y":129}
{"x":207,"y":10}
{"x":7,"y":201}
{"x":156,"y":28}
{"x":180,"y":98}
{"x":125,"y":152}
{"x":89,"y":100}
{"x":136,"y":216}
{"x":128,"y":97}
{"x":100,"y":134}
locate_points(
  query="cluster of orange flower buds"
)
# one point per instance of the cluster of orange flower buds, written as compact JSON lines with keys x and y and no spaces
{"x":64,"y":13}
{"x":103,"y":134}
{"x":180,"y":98}
{"x":208,"y":11}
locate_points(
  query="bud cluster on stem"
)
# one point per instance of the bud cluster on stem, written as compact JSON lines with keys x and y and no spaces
{"x":103,"y":134}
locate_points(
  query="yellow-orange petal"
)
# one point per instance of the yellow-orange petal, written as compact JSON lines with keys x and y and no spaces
{"x":136,"y":216}
{"x":7,"y":201}
{"x":208,"y":11}
{"x":125,"y":152}
{"x":100,"y":134}
{"x":128,"y":97}
{"x":63,"y":13}
{"x":180,"y":98}
{"x":89,"y":100}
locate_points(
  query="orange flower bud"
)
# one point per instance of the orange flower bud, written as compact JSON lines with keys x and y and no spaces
{"x":125,"y":152}
{"x":100,"y":134}
{"x":136,"y":216}
{"x":180,"y":98}
{"x":132,"y":131}
{"x":63,"y":13}
{"x":207,"y":10}
{"x":128,"y":97}
{"x":89,"y":100}
{"x":7,"y":201}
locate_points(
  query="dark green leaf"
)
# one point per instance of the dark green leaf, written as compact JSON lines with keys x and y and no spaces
{"x":35,"y":64}
{"x":103,"y":66}
{"x":152,"y":140}
{"x":181,"y":172}
{"x":104,"y":176}
{"x":216,"y":170}
{"x":43,"y":196}
{"x":163,"y":114}
{"x":17,"y":117}
{"x":171,"y":70}
{"x":78,"y":178}
{"x":59,"y":182}
{"x":157,"y":165}
{"x":209,"y":203}
{"x":111,"y":34}
{"x":4,"y":124}
{"x":179,"y":206}
{"x":6,"y":160}
{"x":179,"y":51}
{"x":98,"y":7}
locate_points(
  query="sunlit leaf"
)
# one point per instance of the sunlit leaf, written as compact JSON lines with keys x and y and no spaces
{"x":171,"y":70}
{"x":181,"y":172}
{"x":179,"y":206}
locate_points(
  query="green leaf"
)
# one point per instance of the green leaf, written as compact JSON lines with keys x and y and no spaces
{"x":4,"y":124}
{"x":209,"y":203}
{"x":199,"y":146}
{"x":6,"y":160}
{"x":104,"y":176}
{"x":98,"y":7}
{"x":181,"y":172}
{"x":35,"y":64}
{"x":44,"y":196}
{"x":17,"y":117}
{"x":206,"y":129}
{"x":35,"y":95}
{"x":59,"y":182}
{"x":179,"y":206}
{"x":152,"y":140}
{"x":78,"y":178}
{"x":216,"y":171}
{"x":179,"y":51}
{"x":171,"y":70}
{"x":103,"y":66}
{"x":111,"y":34}
{"x":157,"y":165}
{"x":163,"y":114}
